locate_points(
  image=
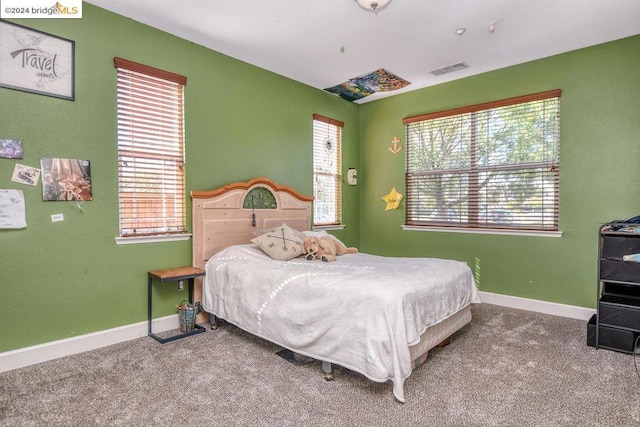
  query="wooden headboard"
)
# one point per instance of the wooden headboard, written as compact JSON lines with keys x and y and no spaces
{"x":225,"y":217}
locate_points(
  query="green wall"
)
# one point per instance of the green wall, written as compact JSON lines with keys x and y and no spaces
{"x":69,"y":278}
{"x":599,"y":171}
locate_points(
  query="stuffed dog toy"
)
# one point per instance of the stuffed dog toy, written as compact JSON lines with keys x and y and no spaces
{"x":324,"y":248}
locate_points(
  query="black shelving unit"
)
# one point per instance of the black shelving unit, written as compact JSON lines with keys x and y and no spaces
{"x":616,"y":324}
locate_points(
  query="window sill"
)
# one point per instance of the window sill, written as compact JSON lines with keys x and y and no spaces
{"x":485,"y":231}
{"x":329,"y":227}
{"x":152,"y":239}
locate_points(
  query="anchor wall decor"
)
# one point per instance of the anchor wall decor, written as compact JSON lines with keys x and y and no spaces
{"x":395,"y":145}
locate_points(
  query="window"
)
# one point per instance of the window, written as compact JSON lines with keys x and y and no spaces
{"x":327,"y":181}
{"x":150,"y":150}
{"x":488,"y":166}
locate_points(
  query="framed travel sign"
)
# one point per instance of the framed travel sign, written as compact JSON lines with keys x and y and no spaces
{"x":36,"y":62}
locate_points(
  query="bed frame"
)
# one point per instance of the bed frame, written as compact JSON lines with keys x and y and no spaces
{"x":222,"y":218}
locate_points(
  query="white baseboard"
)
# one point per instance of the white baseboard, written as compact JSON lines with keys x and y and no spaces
{"x":53,"y":350}
{"x":562,"y":310}
{"x":26,"y":356}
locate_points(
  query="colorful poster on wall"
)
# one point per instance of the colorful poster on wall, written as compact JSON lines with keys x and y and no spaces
{"x":66,"y":179}
{"x":11,"y":148}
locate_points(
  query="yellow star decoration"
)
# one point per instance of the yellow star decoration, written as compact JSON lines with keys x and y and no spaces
{"x":393,"y":199}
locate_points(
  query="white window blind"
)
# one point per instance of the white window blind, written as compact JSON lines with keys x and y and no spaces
{"x":493,"y":165}
{"x":150,"y":134}
{"x":327,"y":164}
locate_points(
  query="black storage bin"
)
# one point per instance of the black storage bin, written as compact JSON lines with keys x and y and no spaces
{"x":611,"y":338}
{"x":620,"y":289}
{"x":619,"y":311}
{"x":618,"y":270}
{"x":616,"y":246}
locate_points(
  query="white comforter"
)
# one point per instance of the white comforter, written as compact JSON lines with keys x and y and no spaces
{"x":361,"y":312}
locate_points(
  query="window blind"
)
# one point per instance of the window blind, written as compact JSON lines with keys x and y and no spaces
{"x":493,"y":165}
{"x":150,"y":110}
{"x":327,"y":164}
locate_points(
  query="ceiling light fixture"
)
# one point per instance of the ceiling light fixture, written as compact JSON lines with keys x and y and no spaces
{"x":460,"y":31}
{"x":373,"y":5}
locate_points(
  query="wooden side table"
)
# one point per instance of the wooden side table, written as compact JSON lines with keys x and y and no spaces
{"x":173,"y":275}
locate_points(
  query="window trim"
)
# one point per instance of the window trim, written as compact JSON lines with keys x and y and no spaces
{"x":555,"y":93}
{"x":148,"y":70}
{"x":340,"y":125}
{"x":124,"y":65}
{"x":486,"y":229}
{"x":151,"y":239}
{"x":494,"y":231}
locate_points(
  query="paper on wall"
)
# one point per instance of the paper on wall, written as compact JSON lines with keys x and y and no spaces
{"x":12,"y":212}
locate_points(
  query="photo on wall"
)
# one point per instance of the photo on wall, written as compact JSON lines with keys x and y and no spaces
{"x":24,"y":174}
{"x":66,"y":179}
{"x":11,"y":149}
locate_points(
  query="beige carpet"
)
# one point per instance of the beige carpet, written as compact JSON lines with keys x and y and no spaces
{"x":507,"y":368}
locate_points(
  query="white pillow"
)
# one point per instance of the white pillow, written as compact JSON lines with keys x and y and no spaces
{"x":281,"y":243}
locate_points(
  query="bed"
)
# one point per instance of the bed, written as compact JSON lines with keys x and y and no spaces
{"x":378,"y":316}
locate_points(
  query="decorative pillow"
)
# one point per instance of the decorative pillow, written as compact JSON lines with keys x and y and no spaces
{"x":281,"y":243}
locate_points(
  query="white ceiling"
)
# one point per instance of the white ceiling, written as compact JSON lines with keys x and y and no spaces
{"x":303,"y":39}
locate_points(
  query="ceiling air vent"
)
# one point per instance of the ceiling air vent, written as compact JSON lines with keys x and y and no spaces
{"x":449,"y":69}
